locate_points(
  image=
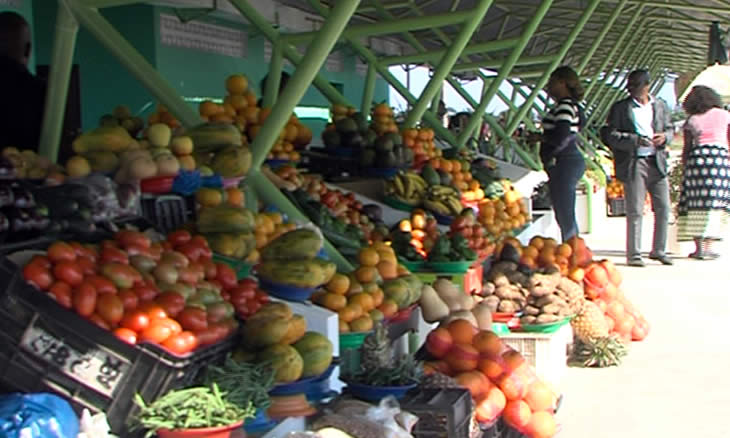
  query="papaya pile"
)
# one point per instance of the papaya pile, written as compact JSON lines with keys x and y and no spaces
{"x":228,"y":229}
{"x":291,"y":259}
{"x":221,"y":148}
{"x":276,"y":335}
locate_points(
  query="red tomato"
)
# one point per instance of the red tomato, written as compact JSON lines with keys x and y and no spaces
{"x":110,"y":307}
{"x":87,"y":265}
{"x":156,"y":332}
{"x":38,"y":276}
{"x":249,"y":283}
{"x":226,"y":276}
{"x":102,"y":284}
{"x":84,"y":299}
{"x":206,"y":337}
{"x":199,"y":240}
{"x":68,"y":272}
{"x":172,"y":302}
{"x":205,"y":253}
{"x":262,"y":297}
{"x":171,"y":323}
{"x":139,"y":250}
{"x":78,"y":248}
{"x":153,"y":310}
{"x":188,"y":275}
{"x":61,"y":252}
{"x":136,"y":321}
{"x":166,"y":246}
{"x":108,"y":244}
{"x":254,"y":306}
{"x":199,"y":270}
{"x":145,"y":292}
{"x":181,"y":343}
{"x":211,"y":271}
{"x":128,"y":238}
{"x":110,"y":254}
{"x":193,"y":318}
{"x":190,"y":250}
{"x":242,"y":292}
{"x":156,"y":251}
{"x":226,"y":295}
{"x":99,"y":321}
{"x":129,"y":299}
{"x":126,"y":335}
{"x":41,"y":261}
{"x":61,"y":293}
{"x":179,"y":237}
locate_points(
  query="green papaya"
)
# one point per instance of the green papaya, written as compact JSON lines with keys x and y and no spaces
{"x":232,"y":162}
{"x":225,"y":219}
{"x":297,"y":244}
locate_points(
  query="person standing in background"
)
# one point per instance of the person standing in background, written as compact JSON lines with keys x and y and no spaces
{"x":704,"y":202}
{"x":21,"y":117}
{"x":638,"y":130}
{"x":559,"y":151}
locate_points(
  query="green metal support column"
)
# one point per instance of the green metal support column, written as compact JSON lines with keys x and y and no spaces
{"x":262,"y":24}
{"x":447,"y":62}
{"x":601,"y":35}
{"x":131,"y":59}
{"x":61,"y":62}
{"x":624,"y":33}
{"x":434,"y":56}
{"x":553,"y":65}
{"x":273,"y":80}
{"x":505,"y":70}
{"x":436,"y":101}
{"x":368,"y":93}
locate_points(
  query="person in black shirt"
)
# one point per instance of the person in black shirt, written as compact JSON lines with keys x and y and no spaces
{"x":21,"y":116}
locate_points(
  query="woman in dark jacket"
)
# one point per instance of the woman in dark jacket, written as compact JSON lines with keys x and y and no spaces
{"x":559,"y":151}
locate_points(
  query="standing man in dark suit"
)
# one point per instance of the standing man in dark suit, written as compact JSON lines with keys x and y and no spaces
{"x":21,"y":116}
{"x":639,"y":128}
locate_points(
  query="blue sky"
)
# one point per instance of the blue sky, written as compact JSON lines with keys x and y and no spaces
{"x":419,"y":77}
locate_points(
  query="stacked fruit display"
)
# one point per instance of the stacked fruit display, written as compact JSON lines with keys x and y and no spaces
{"x":246,"y":297}
{"x":268,"y":226}
{"x":162,"y":115}
{"x":167,"y":293}
{"x":348,"y":133}
{"x":443,"y":200}
{"x":615,"y":189}
{"x":467,"y":226}
{"x":293,"y":137}
{"x":541,"y":252}
{"x":16,"y":164}
{"x":291,"y":175}
{"x":221,"y":148}
{"x":503,"y":214}
{"x":228,"y":229}
{"x":415,"y":236}
{"x":407,"y":187}
{"x":383,"y":121}
{"x":122,"y":116}
{"x":239,"y":106}
{"x":421,"y":142}
{"x":444,"y":301}
{"x":498,"y":378}
{"x":291,"y":260}
{"x":454,"y":173}
{"x":278,"y":336}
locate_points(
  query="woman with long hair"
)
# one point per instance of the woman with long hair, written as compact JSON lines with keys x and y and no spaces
{"x":704,"y":202}
{"x":559,"y":151}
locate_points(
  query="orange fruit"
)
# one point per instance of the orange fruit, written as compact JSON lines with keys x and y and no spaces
{"x":344,"y":326}
{"x":368,"y":257}
{"x":547,"y":256}
{"x":234,"y":196}
{"x":388,"y":270}
{"x":378,"y":297}
{"x":209,"y":108}
{"x":237,"y":101}
{"x":187,"y":162}
{"x":388,"y":307}
{"x":492,"y":369}
{"x":565,"y":250}
{"x":361,"y":324}
{"x":332,"y":301}
{"x":229,"y":110}
{"x":339,"y":284}
{"x":517,"y":414}
{"x":539,"y":397}
{"x":541,"y":425}
{"x":350,"y":312}
{"x":366,"y":274}
{"x":221,"y":118}
{"x":364,"y":300}
{"x":537,"y":242}
{"x":209,"y":197}
{"x":475,"y":382}
{"x":462,"y":331}
{"x":237,"y":84}
{"x":576,"y":274}
{"x":487,"y":344}
{"x":251,"y":113}
{"x":446,"y":165}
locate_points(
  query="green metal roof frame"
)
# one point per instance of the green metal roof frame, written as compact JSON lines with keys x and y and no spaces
{"x":520,"y":41}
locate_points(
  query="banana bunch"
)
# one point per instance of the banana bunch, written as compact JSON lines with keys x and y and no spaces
{"x":408,"y":187}
{"x":443,"y":200}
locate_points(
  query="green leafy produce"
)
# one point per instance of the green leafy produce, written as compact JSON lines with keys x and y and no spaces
{"x":190,"y":408}
{"x":244,"y":383}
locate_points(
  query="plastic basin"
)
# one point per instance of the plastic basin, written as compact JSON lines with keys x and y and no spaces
{"x":412,"y":266}
{"x":303,"y":386}
{"x":544,"y":328}
{"x":459,"y":267}
{"x":206,"y":432}
{"x":285,"y":291}
{"x":352,"y":340}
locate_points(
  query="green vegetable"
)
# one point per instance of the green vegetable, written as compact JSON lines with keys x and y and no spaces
{"x":244,"y":383}
{"x":190,"y":408}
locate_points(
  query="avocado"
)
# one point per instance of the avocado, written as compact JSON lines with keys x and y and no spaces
{"x":361,"y":121}
{"x":408,"y":156}
{"x":386,"y":160}
{"x":367,"y":157}
{"x":395,"y":138}
{"x":370,"y":137}
{"x":509,"y":254}
{"x":429,"y":174}
{"x":400,"y":158}
{"x":346,"y":126}
{"x":384,"y":144}
{"x":445,"y":178}
{"x":331,"y":139}
{"x":354,"y":140}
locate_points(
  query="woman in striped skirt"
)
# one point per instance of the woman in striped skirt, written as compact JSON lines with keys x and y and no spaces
{"x":704,"y":203}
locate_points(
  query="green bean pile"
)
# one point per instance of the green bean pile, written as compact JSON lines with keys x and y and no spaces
{"x":190,"y":408}
{"x":243,"y":382}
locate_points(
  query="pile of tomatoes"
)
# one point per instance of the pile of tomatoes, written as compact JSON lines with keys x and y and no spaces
{"x":168,"y":293}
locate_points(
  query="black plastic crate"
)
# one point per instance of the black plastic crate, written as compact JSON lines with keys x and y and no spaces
{"x":442,"y":413}
{"x":616,"y":207}
{"x":44,"y":347}
{"x":167,"y":212}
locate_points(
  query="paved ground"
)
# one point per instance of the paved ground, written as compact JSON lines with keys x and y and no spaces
{"x":677,"y":382}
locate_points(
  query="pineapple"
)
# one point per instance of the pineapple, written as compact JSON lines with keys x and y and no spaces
{"x":589,"y":323}
{"x":376,"y":352}
{"x":378,"y":367}
{"x":594,"y":347}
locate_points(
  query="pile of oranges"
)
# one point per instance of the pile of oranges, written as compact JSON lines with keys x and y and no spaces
{"x":383,"y":121}
{"x":239,"y":106}
{"x":503,"y":215}
{"x":570,"y":257}
{"x":294,"y":136}
{"x":267,"y":227}
{"x":615,"y":189}
{"x":499,"y":379}
{"x":338,"y":111}
{"x":162,"y":115}
{"x":461,"y":177}
{"x":422,"y":144}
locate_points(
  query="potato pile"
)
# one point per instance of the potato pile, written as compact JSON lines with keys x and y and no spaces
{"x":552,"y":298}
{"x":507,"y":288}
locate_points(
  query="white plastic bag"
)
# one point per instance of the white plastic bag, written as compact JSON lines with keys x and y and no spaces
{"x":94,"y":426}
{"x":385,"y":413}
